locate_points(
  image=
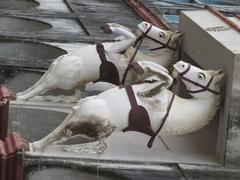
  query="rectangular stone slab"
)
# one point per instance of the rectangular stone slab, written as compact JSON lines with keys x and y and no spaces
{"x":213,"y":44}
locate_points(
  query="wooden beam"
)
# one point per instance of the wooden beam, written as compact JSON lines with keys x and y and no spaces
{"x":144,"y":12}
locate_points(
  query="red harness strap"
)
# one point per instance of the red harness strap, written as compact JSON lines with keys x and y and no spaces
{"x":138,"y":118}
{"x":137,"y":46}
{"x":108,"y":71}
{"x":162,"y":122}
{"x":204,"y":88}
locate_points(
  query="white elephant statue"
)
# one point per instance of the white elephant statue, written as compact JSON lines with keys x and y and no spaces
{"x":70,"y":71}
{"x":97,"y":116}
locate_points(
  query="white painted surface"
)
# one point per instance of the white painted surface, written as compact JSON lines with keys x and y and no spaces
{"x":69,"y":47}
{"x":215,"y":50}
{"x":205,"y":19}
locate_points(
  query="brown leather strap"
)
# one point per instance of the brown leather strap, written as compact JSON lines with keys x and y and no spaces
{"x":107,"y":71}
{"x":101,"y":52}
{"x":137,"y":41}
{"x":164,"y":45}
{"x":110,"y":40}
{"x":131,"y":96}
{"x":204,"y":88}
{"x":138,"y":119}
{"x":144,"y":81}
{"x":184,"y":72}
{"x":137,"y":44}
{"x":150,"y":143}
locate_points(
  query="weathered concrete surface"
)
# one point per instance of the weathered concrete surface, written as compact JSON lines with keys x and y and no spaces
{"x":34,"y":124}
{"x":133,"y":171}
{"x":18,"y":5}
{"x":55,"y":173}
{"x":28,"y":54}
{"x":22,"y":24}
{"x":99,"y":170}
{"x":217,"y":50}
{"x":195,"y":172}
{"x":233,"y":141}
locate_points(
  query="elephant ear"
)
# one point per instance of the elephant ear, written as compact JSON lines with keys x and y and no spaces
{"x":137,"y":68}
{"x":219,"y":77}
{"x":176,"y":36}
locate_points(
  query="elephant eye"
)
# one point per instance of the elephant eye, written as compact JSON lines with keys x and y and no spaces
{"x":161,"y":35}
{"x":201,"y":76}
